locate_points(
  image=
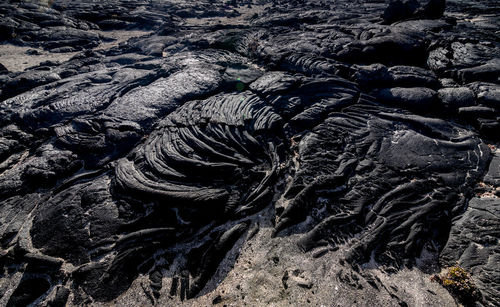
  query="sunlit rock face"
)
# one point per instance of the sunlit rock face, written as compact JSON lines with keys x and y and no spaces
{"x":351,"y":136}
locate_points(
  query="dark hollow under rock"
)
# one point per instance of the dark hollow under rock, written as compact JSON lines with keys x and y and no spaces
{"x":362,"y":133}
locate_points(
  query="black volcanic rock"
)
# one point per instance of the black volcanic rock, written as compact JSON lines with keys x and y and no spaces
{"x":455,"y":98}
{"x":418,"y":99}
{"x":399,"y":10}
{"x":28,"y":291}
{"x":248,"y":152}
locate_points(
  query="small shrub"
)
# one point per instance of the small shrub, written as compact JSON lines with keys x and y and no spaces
{"x":459,"y":283}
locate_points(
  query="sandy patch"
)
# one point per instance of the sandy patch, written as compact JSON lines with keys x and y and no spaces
{"x":16,"y":60}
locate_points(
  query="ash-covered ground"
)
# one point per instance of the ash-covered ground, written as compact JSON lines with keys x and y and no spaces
{"x":249,"y":153}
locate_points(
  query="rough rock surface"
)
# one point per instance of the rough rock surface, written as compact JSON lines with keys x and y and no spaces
{"x":249,"y":152}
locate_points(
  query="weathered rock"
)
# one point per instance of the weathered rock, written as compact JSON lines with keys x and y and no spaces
{"x":476,"y":112}
{"x":419,"y":99}
{"x":458,"y":97}
{"x":407,"y":76}
{"x":486,"y":72}
{"x":28,"y":290}
{"x":487,"y":94}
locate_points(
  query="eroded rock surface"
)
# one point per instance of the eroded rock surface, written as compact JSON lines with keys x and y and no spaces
{"x":249,"y":152}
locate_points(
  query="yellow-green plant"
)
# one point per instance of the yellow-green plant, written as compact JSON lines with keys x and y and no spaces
{"x":459,"y":282}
